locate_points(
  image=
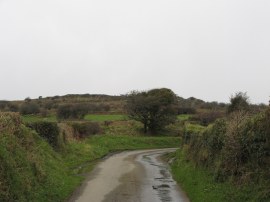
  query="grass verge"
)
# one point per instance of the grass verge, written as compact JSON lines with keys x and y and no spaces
{"x":35,"y":118}
{"x":184,"y":117}
{"x":199,"y":183}
{"x":105,"y":117}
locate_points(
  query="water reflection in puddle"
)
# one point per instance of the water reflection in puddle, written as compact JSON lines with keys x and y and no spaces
{"x":162,"y":182}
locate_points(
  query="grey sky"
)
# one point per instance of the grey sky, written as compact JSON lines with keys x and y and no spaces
{"x":208,"y":49}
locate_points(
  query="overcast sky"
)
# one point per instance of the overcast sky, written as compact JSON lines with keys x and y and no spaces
{"x":208,"y":49}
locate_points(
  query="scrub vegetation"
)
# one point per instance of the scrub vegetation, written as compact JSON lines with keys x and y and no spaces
{"x":47,"y":143}
{"x":229,"y":160}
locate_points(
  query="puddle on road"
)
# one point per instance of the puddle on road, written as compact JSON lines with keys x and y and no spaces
{"x":162,"y":182}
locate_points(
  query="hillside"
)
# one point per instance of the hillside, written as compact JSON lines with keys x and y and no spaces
{"x":100,"y":103}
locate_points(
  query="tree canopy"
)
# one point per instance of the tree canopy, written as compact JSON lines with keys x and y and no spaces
{"x":239,"y":102}
{"x":155,"y":108}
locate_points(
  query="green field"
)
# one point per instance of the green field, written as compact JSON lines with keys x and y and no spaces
{"x":106,"y":117}
{"x":34,"y":118}
{"x":89,"y":117}
{"x":194,"y":128}
{"x":183,"y":117}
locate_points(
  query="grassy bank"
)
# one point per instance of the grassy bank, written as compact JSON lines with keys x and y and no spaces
{"x":200,"y":185}
{"x":31,"y":170}
{"x":184,"y":117}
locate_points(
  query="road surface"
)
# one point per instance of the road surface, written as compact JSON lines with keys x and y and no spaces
{"x":131,"y":176}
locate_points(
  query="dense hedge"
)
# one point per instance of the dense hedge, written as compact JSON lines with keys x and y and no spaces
{"x":235,"y":148}
{"x":71,"y":111}
{"x":206,"y":118}
{"x":47,"y":130}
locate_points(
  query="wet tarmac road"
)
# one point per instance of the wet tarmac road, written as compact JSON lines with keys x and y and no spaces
{"x":131,"y":176}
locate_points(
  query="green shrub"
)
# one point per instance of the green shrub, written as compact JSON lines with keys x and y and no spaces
{"x":258,"y":139}
{"x":206,"y":118}
{"x":186,"y":110}
{"x":29,"y":108}
{"x":235,"y":148}
{"x":239,"y":102}
{"x":72,"y":111}
{"x":9,"y":122}
{"x":85,"y":129}
{"x":47,"y":130}
{"x":191,"y":131}
{"x":206,"y":145}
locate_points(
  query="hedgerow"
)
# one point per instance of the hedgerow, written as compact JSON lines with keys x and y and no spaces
{"x":236,"y":148}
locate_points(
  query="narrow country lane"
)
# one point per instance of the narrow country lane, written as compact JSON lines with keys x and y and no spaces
{"x":131,"y":176}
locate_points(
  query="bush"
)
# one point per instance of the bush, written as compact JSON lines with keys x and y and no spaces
{"x":9,"y":122}
{"x":3,"y":104}
{"x":72,"y":111}
{"x":97,"y":108}
{"x":191,"y":132}
{"x":13,"y":107}
{"x":186,"y":110}
{"x":29,"y":108}
{"x":258,"y":139}
{"x":205,"y":118}
{"x":47,"y":130}
{"x":239,"y":102}
{"x":82,"y":130}
{"x":237,"y":147}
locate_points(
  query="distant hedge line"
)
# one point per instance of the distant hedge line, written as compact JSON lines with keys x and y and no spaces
{"x":51,"y":132}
